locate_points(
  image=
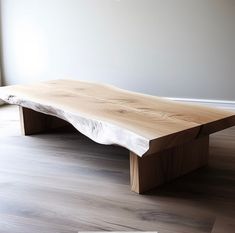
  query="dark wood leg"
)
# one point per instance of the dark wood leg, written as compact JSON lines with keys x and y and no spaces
{"x":33,"y":122}
{"x":153,"y":170}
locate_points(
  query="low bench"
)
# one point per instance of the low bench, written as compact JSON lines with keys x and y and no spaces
{"x":166,"y":139}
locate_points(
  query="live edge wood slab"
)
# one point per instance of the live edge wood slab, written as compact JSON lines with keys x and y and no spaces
{"x":166,"y":139}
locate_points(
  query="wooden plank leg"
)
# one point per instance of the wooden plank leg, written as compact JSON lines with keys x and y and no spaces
{"x":153,"y":170}
{"x":33,"y":122}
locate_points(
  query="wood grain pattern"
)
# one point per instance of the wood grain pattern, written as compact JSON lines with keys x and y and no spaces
{"x":65,"y":183}
{"x":141,"y":123}
{"x":155,"y":129}
{"x":151,"y":171}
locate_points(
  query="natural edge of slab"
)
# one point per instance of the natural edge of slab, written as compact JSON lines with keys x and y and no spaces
{"x":97,"y":130}
{"x":108,"y":115}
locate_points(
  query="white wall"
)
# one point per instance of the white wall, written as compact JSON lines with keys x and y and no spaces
{"x":178,"y":48}
{"x":1,"y":102}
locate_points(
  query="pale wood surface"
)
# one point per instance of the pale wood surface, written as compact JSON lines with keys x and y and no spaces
{"x":109,"y":115}
{"x":148,"y":172}
{"x":65,"y":183}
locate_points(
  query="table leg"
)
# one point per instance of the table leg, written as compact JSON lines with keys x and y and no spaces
{"x":152,"y":170}
{"x":33,"y":122}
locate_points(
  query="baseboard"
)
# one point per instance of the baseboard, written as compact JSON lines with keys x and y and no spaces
{"x":225,"y":104}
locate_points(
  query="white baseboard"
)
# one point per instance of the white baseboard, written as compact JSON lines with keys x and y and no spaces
{"x":225,"y":104}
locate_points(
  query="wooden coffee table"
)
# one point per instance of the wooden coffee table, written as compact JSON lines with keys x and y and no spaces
{"x":166,"y":139}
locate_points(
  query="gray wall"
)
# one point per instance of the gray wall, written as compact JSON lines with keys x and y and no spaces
{"x":177,"y":48}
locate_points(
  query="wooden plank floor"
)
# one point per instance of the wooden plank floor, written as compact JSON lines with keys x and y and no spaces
{"x":63,"y":182}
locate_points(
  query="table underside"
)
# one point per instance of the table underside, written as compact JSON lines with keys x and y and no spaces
{"x":146,"y":172}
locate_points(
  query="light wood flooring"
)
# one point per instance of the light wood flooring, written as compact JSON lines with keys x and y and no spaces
{"x":64,"y":182}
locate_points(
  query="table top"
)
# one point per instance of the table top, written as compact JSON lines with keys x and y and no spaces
{"x":111,"y":115}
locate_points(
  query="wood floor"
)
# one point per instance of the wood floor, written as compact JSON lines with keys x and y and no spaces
{"x":63,"y":182}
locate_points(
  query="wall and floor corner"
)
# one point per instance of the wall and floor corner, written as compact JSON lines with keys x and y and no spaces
{"x":175,"y":48}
